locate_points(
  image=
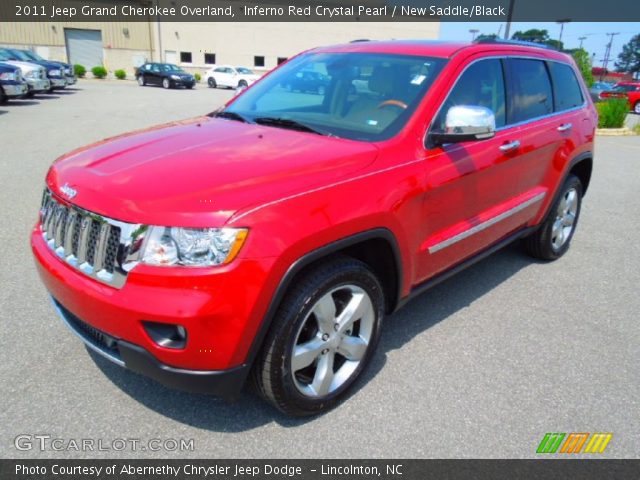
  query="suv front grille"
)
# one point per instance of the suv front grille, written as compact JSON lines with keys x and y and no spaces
{"x":99,"y":247}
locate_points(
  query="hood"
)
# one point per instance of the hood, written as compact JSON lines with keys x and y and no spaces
{"x":25,"y":66}
{"x":5,"y":67}
{"x":200,"y":172}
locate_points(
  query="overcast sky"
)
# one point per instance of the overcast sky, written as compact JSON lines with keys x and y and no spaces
{"x":596,"y":33}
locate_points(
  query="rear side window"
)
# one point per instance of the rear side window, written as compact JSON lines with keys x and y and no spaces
{"x":565,"y":87}
{"x":532,"y":95}
{"x":482,"y":84}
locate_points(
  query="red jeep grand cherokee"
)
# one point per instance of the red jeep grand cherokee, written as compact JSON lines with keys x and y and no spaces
{"x":269,"y":239}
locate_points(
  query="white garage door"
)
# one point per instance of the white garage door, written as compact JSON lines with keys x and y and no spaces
{"x":84,"y":47}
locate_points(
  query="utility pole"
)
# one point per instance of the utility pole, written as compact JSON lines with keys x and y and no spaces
{"x":473,"y":32}
{"x":509,"y":17}
{"x":582,"y":39}
{"x":607,"y":53}
{"x":562,"y":22}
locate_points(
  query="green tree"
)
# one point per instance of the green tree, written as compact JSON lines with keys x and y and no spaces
{"x":486,"y":36}
{"x":537,"y":35}
{"x":581,"y":56}
{"x":629,"y":58}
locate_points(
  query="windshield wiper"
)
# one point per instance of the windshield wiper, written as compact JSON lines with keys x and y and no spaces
{"x":230,"y":116}
{"x":288,"y":123}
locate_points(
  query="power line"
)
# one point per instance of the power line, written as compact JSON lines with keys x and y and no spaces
{"x":607,"y":53}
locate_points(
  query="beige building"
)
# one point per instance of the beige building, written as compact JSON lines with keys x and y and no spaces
{"x":194,"y":46}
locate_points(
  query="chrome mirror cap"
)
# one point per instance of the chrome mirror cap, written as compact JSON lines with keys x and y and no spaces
{"x":470,"y":120}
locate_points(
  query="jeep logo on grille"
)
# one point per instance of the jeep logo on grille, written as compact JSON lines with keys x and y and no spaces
{"x":67,"y":191}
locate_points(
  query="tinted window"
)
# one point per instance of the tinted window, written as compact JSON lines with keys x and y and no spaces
{"x":482,"y":84}
{"x":566,"y":89}
{"x":220,"y":70}
{"x":532,"y":96}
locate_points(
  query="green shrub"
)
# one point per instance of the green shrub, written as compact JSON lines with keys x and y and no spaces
{"x":611,"y":114}
{"x":198,"y":77}
{"x":79,"y":70}
{"x":120,"y":74}
{"x":99,"y":72}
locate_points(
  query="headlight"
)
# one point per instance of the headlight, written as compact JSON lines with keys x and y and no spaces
{"x":54,"y":73}
{"x":31,"y":74}
{"x":8,"y":76}
{"x":197,"y":247}
{"x":175,"y":77}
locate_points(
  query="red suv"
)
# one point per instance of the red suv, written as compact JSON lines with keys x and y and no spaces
{"x":268,"y":240}
{"x":628,"y":90}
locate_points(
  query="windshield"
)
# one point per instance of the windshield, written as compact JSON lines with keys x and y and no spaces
{"x":4,"y":57}
{"x":20,"y":55}
{"x":625,"y":88}
{"x":35,"y":56}
{"x":244,"y":70}
{"x":360,"y":96}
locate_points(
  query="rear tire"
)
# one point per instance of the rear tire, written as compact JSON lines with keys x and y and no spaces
{"x":142,"y":81}
{"x":636,"y":108}
{"x":3,"y":97}
{"x":242,"y":84}
{"x":553,"y":237}
{"x":322,"y":337}
{"x":166,"y":83}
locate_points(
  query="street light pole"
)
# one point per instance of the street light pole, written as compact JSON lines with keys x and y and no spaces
{"x":582,"y":39}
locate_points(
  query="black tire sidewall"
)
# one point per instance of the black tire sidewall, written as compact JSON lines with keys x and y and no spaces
{"x":546,"y":236}
{"x":212,"y":82}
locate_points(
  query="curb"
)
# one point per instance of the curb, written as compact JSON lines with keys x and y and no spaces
{"x":614,"y":132}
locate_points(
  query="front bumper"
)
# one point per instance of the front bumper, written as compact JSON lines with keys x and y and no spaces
{"x":226,"y":384}
{"x":71,"y":80}
{"x":183,"y":83}
{"x":38,"y":85}
{"x":15,"y":89}
{"x":58,"y":82}
{"x":221,"y":308}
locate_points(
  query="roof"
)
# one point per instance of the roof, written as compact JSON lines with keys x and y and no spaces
{"x":435,"y":48}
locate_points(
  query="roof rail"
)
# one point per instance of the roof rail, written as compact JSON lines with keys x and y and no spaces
{"x":500,"y":41}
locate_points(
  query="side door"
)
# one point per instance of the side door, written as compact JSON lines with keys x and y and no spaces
{"x":155,"y":77}
{"x":481,"y":191}
{"x":222,"y":76}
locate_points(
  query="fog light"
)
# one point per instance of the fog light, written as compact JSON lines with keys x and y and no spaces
{"x":166,"y":335}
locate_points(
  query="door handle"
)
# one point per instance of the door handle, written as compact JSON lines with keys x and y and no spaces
{"x":507,"y":147}
{"x":564,"y":127}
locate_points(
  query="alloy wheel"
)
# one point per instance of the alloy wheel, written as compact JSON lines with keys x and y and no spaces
{"x":565,"y":219}
{"x":332,"y":341}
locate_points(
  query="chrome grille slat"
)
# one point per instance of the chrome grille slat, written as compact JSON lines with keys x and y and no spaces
{"x":100,"y":247}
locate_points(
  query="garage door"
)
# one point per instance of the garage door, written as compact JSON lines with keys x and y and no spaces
{"x":84,"y":47}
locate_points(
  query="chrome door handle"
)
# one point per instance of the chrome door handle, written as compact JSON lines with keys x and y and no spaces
{"x":564,"y":127}
{"x":507,"y":147}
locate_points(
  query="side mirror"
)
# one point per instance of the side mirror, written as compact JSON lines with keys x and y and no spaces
{"x":464,"y":123}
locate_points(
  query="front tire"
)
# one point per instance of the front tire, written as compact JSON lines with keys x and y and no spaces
{"x":553,"y":237}
{"x":212,"y":82}
{"x":636,"y":108}
{"x":166,"y":83}
{"x":242,"y":84}
{"x":322,"y":337}
{"x":3,"y":97}
{"x":141,"y":81}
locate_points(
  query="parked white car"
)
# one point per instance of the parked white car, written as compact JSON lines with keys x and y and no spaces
{"x":230,"y":76}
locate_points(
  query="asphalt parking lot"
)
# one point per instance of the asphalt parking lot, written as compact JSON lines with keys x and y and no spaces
{"x":483,"y":365}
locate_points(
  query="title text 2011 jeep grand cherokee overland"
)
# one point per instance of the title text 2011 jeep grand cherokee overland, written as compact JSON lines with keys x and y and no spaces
{"x":269,"y":239}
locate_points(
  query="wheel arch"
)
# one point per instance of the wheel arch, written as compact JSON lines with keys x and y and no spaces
{"x":378,"y":248}
{"x":581,"y":167}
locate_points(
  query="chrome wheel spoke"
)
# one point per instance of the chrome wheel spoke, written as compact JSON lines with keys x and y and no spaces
{"x":358,"y":307}
{"x":352,"y":348}
{"x":305,"y":354}
{"x":568,"y":219}
{"x":325,"y":313}
{"x":323,"y":378}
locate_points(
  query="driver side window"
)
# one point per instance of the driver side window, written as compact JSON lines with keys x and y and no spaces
{"x":481,"y":84}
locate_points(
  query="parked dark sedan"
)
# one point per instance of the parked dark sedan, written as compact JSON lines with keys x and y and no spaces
{"x":165,"y":74}
{"x":12,"y":85}
{"x":55,"y":72}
